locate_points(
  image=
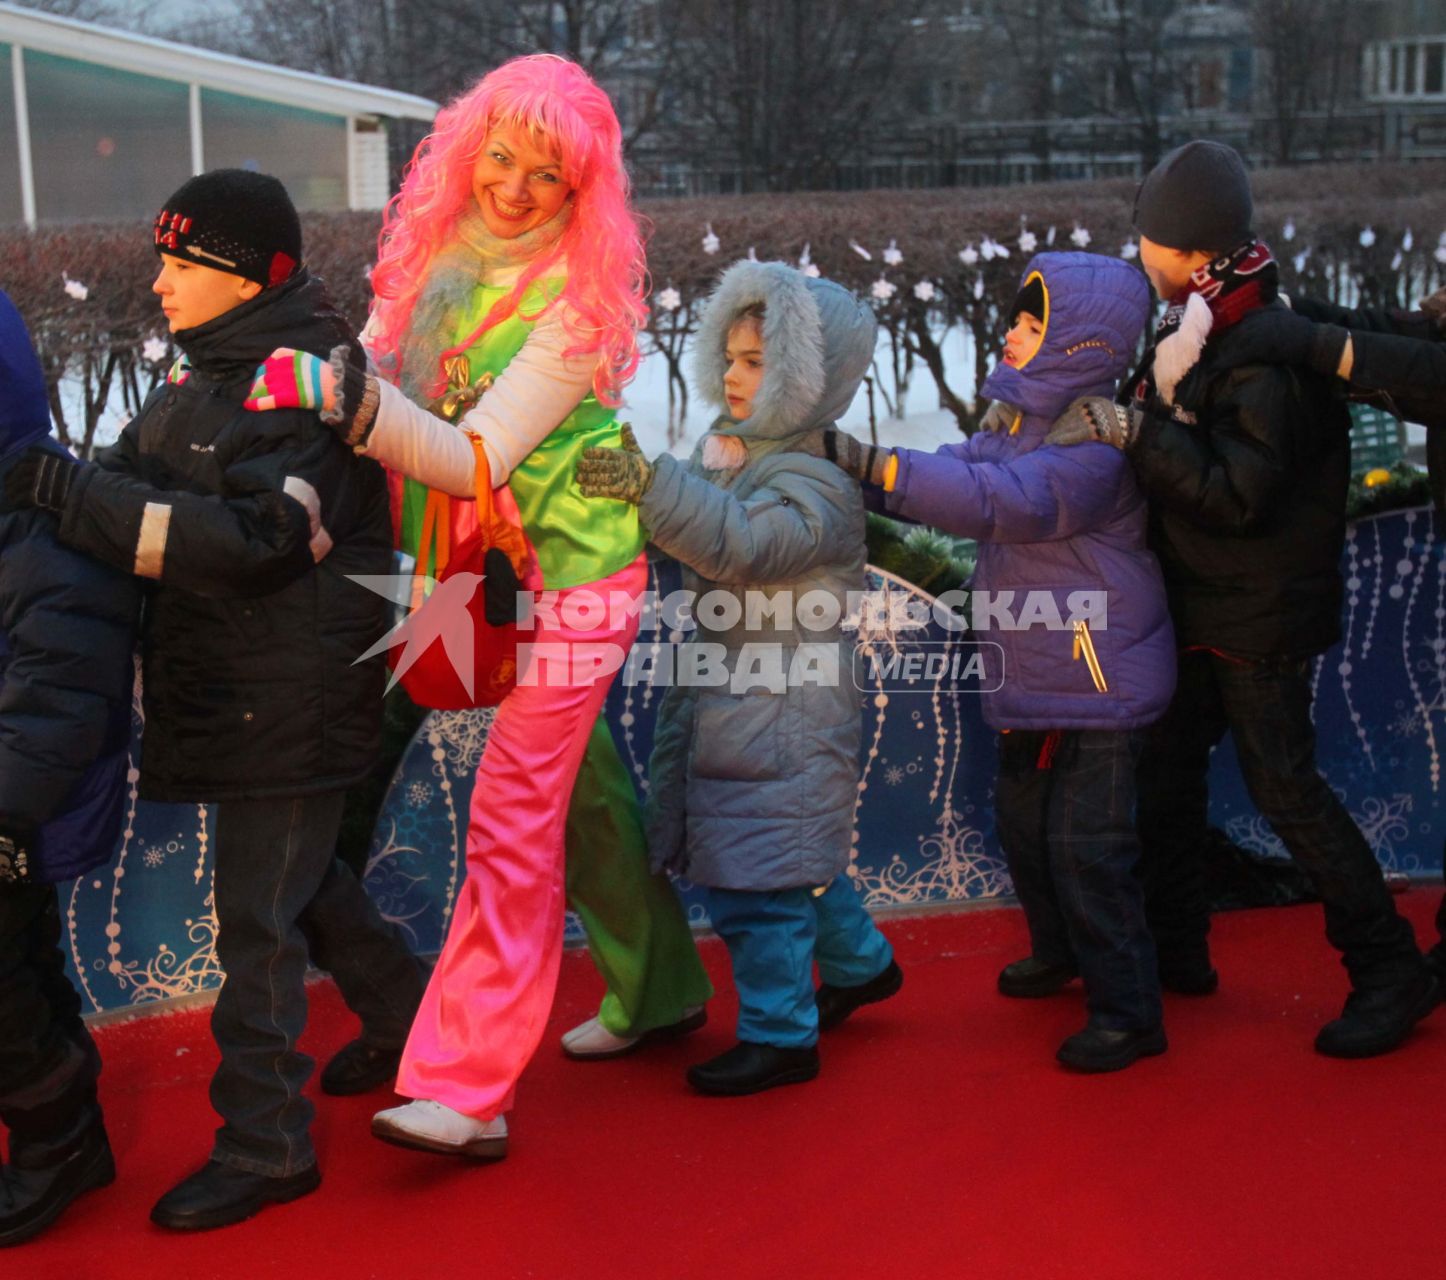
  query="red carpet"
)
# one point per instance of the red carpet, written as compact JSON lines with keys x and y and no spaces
{"x":941,"y":1140}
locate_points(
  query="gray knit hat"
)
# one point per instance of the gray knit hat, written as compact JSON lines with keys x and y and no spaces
{"x":1197,"y":197}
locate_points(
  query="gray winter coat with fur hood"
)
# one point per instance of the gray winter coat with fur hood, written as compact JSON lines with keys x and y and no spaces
{"x":754,"y":772}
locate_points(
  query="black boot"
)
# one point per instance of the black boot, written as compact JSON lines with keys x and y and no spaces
{"x":358,"y":1068}
{"x":217,"y":1195}
{"x":1029,"y":979}
{"x":751,"y":1068}
{"x":1377,"y":1019}
{"x":836,"y":1003}
{"x":1436,"y":962}
{"x":40,"y":1182}
{"x":1186,"y":969}
{"x":1096,"y":1050}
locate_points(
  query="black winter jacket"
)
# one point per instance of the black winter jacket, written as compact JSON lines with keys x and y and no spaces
{"x":1400,"y":363}
{"x":249,"y":523}
{"x":1246,"y":480}
{"x":67,"y":637}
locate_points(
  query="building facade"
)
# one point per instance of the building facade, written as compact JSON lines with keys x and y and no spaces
{"x":98,"y":124}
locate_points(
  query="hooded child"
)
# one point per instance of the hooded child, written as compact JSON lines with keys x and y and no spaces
{"x":1245,"y":467}
{"x":67,"y":636}
{"x":754,"y":773}
{"x":1076,"y":642}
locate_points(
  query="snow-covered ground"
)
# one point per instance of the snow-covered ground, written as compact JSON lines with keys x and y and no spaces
{"x":922,"y":424}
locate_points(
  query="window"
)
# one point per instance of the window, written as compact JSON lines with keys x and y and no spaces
{"x":305,"y":149}
{"x":106,"y":145}
{"x":1405,"y":69}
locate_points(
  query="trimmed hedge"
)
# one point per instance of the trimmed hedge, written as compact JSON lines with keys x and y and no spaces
{"x":1367,"y":233}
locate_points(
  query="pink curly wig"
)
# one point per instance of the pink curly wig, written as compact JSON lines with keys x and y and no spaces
{"x":602,"y":243}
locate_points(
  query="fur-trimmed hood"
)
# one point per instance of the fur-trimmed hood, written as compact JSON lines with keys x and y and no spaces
{"x":818,"y":343}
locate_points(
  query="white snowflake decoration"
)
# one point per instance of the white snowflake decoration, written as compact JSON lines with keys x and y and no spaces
{"x":1368,"y":237}
{"x":969,"y":255}
{"x":978,"y":288}
{"x":811,"y":270}
{"x":882,"y":289}
{"x":1080,"y":238}
{"x":893,"y":255}
{"x":1049,"y":237}
{"x":752,"y":253}
{"x":75,"y":289}
{"x":924,"y":291}
{"x":1287,"y":232}
{"x":1397,"y":260}
{"x":861,"y":251}
{"x":990,"y":248}
{"x":711,"y":243}
{"x":668,"y":299}
{"x":154,"y":350}
{"x":1129,"y":251}
{"x":1300,"y":260}
{"x":1028,"y":241}
{"x":1408,"y":241}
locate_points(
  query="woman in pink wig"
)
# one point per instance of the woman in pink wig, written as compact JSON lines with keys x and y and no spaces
{"x":511,"y":263}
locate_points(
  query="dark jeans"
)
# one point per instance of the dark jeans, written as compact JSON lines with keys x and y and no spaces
{"x":48,"y":1062}
{"x":1265,"y":706}
{"x":1065,"y":816}
{"x":281,"y":894}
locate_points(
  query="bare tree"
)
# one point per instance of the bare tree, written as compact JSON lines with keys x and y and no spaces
{"x":1130,"y":66}
{"x":783,"y":91}
{"x":1311,"y":51}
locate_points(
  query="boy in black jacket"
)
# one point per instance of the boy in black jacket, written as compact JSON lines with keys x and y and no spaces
{"x":249,"y":525}
{"x":1397,"y":358}
{"x":1245,"y":467}
{"x":67,"y":635}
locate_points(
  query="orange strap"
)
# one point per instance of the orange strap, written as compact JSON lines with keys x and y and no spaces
{"x":496,"y":531}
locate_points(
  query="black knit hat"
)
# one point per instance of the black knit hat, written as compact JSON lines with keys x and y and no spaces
{"x":1029,"y":299}
{"x":1197,"y":197}
{"x":236,"y":221}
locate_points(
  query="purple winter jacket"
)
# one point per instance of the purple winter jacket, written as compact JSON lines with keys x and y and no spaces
{"x":1057,"y":522}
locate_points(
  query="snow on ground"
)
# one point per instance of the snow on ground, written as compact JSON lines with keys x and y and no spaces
{"x":923,"y":425}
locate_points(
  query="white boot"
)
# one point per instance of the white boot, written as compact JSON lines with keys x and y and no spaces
{"x":429,"y":1126}
{"x":592,"y":1040}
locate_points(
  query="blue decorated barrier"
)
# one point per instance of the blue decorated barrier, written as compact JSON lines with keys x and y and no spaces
{"x":143,"y":929}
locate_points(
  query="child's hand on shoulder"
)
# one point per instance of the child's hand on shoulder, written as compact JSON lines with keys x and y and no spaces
{"x":1095,"y":419}
{"x":622,"y":474}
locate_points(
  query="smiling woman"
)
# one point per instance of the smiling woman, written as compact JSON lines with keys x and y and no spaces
{"x":517,"y":183}
{"x":512,"y":263}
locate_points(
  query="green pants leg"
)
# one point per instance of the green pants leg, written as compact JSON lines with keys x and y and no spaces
{"x":636,"y":931}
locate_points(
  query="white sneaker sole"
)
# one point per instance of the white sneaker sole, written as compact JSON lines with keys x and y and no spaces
{"x":481,"y":1149}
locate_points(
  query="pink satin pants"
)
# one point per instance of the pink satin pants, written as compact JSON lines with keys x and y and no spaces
{"x":488,"y":1000}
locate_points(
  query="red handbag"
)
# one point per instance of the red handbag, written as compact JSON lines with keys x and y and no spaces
{"x":454,"y":657}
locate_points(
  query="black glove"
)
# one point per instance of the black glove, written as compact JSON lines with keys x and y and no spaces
{"x":500,"y":588}
{"x":15,"y":861}
{"x":1277,"y":335}
{"x":40,"y":478}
